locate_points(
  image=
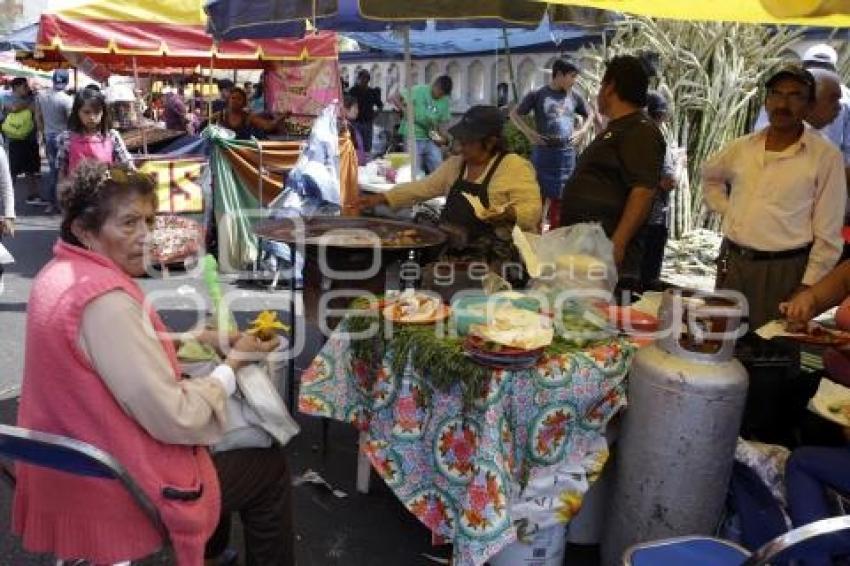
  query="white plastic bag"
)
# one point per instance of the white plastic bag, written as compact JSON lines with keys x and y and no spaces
{"x":268,"y":411}
{"x":315,"y":176}
{"x":578,"y":257}
{"x":256,"y":415}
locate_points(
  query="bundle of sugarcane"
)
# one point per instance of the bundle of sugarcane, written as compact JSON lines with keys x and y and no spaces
{"x":712,"y":75}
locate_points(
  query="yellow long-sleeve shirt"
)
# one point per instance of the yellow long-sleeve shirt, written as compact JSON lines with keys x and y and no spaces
{"x":513,"y":181}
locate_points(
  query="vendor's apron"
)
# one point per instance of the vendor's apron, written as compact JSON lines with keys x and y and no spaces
{"x":471,"y":240}
{"x":97,"y":147}
{"x":244,"y":131}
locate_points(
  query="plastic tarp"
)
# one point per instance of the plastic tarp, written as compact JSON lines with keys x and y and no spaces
{"x":791,"y":12}
{"x":316,"y":175}
{"x":433,"y":42}
{"x":164,"y":33}
{"x":232,"y":19}
{"x":17,"y":70}
{"x":232,"y":203}
{"x":21,"y":39}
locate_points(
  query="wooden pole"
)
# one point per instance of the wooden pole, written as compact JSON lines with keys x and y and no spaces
{"x":510,"y":65}
{"x":212,"y":67}
{"x":139,"y":89}
{"x":408,"y":81}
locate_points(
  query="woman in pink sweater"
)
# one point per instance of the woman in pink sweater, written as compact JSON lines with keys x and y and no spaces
{"x":101,"y":367}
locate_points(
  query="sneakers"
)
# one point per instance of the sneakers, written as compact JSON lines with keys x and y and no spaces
{"x":37,"y":201}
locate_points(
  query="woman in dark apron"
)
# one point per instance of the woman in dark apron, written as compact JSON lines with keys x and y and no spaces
{"x":502,"y":185}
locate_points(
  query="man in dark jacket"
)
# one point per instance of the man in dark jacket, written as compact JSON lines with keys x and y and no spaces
{"x":368,"y":100}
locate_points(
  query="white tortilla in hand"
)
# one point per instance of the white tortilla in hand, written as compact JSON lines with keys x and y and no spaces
{"x":486,"y":214}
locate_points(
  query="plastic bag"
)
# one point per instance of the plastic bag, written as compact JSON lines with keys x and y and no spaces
{"x":315,"y":176}
{"x":578,"y":257}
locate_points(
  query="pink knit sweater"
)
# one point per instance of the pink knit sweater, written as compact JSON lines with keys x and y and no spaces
{"x":95,"y":519}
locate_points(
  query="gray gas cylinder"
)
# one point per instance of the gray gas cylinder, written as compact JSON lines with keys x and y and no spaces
{"x":686,"y":397}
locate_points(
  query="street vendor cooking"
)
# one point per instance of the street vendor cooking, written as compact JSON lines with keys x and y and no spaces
{"x":487,"y":189}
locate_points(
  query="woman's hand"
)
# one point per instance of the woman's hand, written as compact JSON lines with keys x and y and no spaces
{"x":216,"y":339}
{"x":249,"y":349}
{"x":7,"y":227}
{"x":802,"y":307}
{"x":371,"y":201}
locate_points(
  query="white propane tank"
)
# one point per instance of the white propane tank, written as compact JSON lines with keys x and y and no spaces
{"x":686,"y":397}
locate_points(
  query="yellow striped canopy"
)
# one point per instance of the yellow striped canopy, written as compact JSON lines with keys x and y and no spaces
{"x":827,"y":13}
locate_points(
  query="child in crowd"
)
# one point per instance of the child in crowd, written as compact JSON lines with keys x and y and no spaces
{"x":88,"y":136}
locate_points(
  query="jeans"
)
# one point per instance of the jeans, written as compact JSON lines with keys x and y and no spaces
{"x":366,"y":130}
{"x":428,"y":155}
{"x":554,"y":166}
{"x":810,"y":470}
{"x":51,"y":150}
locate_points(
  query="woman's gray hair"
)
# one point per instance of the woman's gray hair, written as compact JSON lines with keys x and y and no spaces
{"x":94,"y":189}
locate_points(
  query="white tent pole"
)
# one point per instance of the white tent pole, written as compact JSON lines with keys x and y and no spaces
{"x":138,"y":90}
{"x":210,"y":83}
{"x":408,"y":80}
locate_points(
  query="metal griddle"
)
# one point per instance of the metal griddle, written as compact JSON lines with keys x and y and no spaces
{"x":309,"y":232}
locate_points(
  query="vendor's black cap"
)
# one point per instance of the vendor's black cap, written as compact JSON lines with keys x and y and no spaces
{"x":795,"y":72}
{"x":478,"y":123}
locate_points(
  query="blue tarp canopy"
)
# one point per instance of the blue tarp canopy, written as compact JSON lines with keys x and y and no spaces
{"x":21,"y":39}
{"x":432,"y":42}
{"x":255,"y":19}
{"x":237,"y":19}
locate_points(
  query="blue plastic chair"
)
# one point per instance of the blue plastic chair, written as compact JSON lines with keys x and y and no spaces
{"x":707,"y":551}
{"x":74,"y":457}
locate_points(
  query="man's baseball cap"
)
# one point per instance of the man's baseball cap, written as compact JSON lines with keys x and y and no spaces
{"x":821,"y":53}
{"x":795,"y":72}
{"x":60,"y":79}
{"x":478,"y":123}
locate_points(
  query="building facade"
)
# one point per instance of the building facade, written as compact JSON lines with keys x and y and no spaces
{"x":476,"y":78}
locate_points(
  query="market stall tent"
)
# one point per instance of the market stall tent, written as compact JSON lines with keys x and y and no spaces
{"x":234,"y":19}
{"x":160,"y":33}
{"x":789,"y":12}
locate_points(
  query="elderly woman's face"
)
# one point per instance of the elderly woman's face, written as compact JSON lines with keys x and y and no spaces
{"x":122,"y":237}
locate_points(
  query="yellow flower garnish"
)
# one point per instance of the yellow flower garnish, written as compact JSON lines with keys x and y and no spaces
{"x":570,"y":501}
{"x":265,"y":325}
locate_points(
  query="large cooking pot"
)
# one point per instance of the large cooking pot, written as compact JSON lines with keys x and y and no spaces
{"x":352,"y":253}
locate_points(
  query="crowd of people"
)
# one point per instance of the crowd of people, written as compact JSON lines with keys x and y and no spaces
{"x":791,"y":172}
{"x":781,"y":192}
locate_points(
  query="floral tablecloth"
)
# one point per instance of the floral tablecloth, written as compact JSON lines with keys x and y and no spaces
{"x":521,"y":458}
